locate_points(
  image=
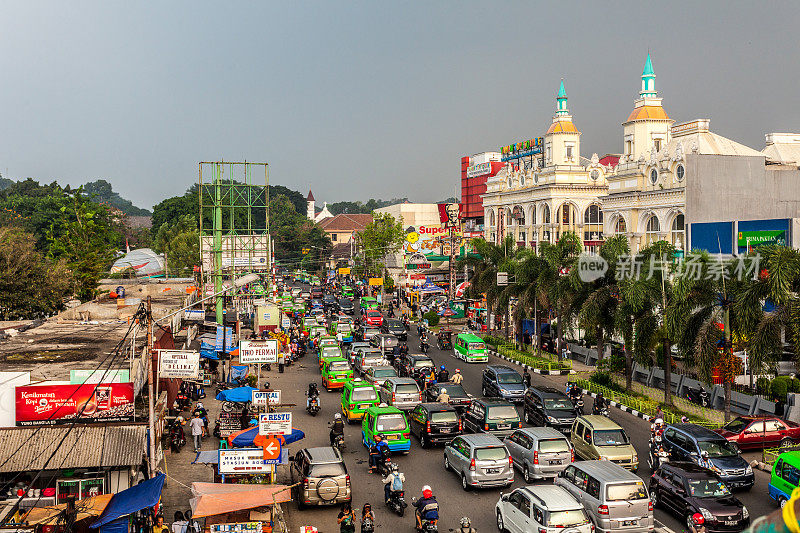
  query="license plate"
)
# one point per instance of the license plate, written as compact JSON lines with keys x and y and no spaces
{"x":555,"y":461}
{"x":731,"y":522}
{"x":503,"y":426}
{"x":363,"y":406}
{"x":445,"y":430}
{"x":492,"y":470}
{"x":630,"y":522}
{"x":391,"y":437}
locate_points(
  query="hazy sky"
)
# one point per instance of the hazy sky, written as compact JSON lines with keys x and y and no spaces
{"x":365,"y":99}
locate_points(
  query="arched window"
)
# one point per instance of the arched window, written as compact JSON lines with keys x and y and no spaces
{"x":519,"y":215}
{"x":652,"y":229}
{"x":491,"y":217}
{"x":677,"y":233}
{"x":545,"y":214}
{"x":566,"y":215}
{"x":593,"y":215}
{"x":593,"y":223}
{"x":620,"y":227}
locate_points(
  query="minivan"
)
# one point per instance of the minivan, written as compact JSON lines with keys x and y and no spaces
{"x":402,"y":393}
{"x":479,"y":460}
{"x":539,"y":452}
{"x":785,"y":477}
{"x":434,"y":423}
{"x":504,"y":382}
{"x":498,"y":417}
{"x":548,"y":406}
{"x":320,"y":477}
{"x":599,"y":437}
{"x":617,"y":500}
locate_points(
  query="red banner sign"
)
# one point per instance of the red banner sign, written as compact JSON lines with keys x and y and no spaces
{"x":39,"y":405}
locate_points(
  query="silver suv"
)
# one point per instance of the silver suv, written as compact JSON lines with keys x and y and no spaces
{"x":539,"y":452}
{"x":480,"y":460}
{"x":403,"y":393}
{"x":321,"y":477}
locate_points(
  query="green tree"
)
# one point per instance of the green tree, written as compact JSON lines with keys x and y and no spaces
{"x":293,"y":232}
{"x":381,"y":237}
{"x":180,"y":244}
{"x":558,"y":279}
{"x":101,"y":192}
{"x":31,"y":286}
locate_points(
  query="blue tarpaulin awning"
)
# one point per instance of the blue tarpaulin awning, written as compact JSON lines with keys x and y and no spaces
{"x":246,"y":437}
{"x":239,"y":394}
{"x":145,"y":494}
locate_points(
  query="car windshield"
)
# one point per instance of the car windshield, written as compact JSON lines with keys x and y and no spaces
{"x":736,"y":425}
{"x":557,"y":404}
{"x":394,"y":324}
{"x":364,"y":394}
{"x":553,"y":446}
{"x":391,"y":422}
{"x":343,"y":328}
{"x":423,"y":363}
{"x":509,"y":378}
{"x":407,"y":388}
{"x":495,"y":453}
{"x":476,"y":346}
{"x":573,"y":517}
{"x":326,"y":470}
{"x":388,"y":372}
{"x":610,"y":437}
{"x":444,"y":416}
{"x":502,"y":412}
{"x":454,"y":391}
{"x":371,"y":331}
{"x":339,"y":366}
{"x":373,"y":313}
{"x":626,"y":491}
{"x":717,"y":448}
{"x":707,"y":488}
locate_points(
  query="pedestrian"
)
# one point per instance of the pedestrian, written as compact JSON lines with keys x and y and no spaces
{"x":564,"y":353}
{"x":193,"y":526}
{"x":346,"y":519}
{"x":281,"y":362}
{"x":179,"y":525}
{"x":159,"y":526}
{"x":197,"y":425}
{"x":367,"y":515}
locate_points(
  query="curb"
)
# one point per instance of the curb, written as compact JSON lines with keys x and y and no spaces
{"x":621,"y":407}
{"x":534,"y":370}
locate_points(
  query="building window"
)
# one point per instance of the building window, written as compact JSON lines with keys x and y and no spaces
{"x":569,"y":153}
{"x":549,"y":153}
{"x":491,"y":218}
{"x":652,"y":229}
{"x":522,"y":179}
{"x":678,"y":235}
{"x":522,"y":236}
{"x":657,"y":145}
{"x":628,"y":147}
{"x":334,"y":236}
{"x":546,"y":214}
{"x":620,"y":228}
{"x":679,"y":173}
{"x":653,"y":176}
{"x":509,"y":182}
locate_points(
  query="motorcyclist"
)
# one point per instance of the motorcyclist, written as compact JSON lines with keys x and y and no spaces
{"x":656,"y":428}
{"x":457,"y":377}
{"x":466,"y":526}
{"x":423,"y":340}
{"x":443,"y":396}
{"x":427,"y":507}
{"x":337,"y":427}
{"x":599,"y":404}
{"x":443,"y":375}
{"x":312,"y":392}
{"x":403,"y":348}
{"x":393,"y":482}
{"x":378,"y":452}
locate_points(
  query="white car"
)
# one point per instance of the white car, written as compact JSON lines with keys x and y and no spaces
{"x":543,"y":509}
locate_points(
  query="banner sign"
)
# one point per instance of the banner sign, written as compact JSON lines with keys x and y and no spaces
{"x":242,"y":461}
{"x":229,"y":341}
{"x":753,"y":239}
{"x":79,"y":377}
{"x":39,"y":405}
{"x":265,"y":351}
{"x":194,"y":315}
{"x":228,"y":424}
{"x":481,"y":169}
{"x":262,"y":397}
{"x":179,"y":364}
{"x":275,"y":423}
{"x":522,"y":149}
{"x":450,"y":216}
{"x":375,"y":281}
{"x":344,"y":271}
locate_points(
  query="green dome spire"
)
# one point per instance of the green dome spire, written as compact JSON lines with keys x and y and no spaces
{"x":648,"y":67}
{"x":561,"y":101}
{"x":648,"y":79}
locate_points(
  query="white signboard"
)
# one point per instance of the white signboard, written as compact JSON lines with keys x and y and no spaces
{"x":242,"y":461}
{"x":265,"y":351}
{"x":79,"y":377}
{"x":261,"y":397}
{"x":194,"y":315}
{"x":275,"y":424}
{"x":286,"y":322}
{"x":179,"y":364}
{"x":479,"y":170}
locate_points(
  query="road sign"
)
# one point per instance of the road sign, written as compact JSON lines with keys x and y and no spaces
{"x":260,"y":397}
{"x":179,"y":364}
{"x":275,"y":423}
{"x":265,"y":351}
{"x":272,"y":451}
{"x":242,"y":461}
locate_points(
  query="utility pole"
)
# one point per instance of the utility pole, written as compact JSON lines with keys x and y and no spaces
{"x":150,"y":390}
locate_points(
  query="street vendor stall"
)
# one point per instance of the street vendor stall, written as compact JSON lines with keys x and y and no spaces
{"x":239,"y":508}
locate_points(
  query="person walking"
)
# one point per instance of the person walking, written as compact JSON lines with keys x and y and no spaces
{"x":197,"y":426}
{"x":346,"y":519}
{"x":193,"y":526}
{"x":179,"y":525}
{"x":159,"y":526}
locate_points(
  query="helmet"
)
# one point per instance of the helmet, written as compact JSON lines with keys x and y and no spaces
{"x":704,"y":454}
{"x":444,"y":391}
{"x":199,"y":405}
{"x":697,"y":519}
{"x":441,"y":367}
{"x":465,"y":521}
{"x":659,"y":422}
{"x":395,"y":467}
{"x":426,"y":491}
{"x":458,"y":370}
{"x":337,"y":416}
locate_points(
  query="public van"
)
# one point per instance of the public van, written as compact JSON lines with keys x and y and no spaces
{"x":335,"y":373}
{"x":358,"y":396}
{"x":470,"y":348}
{"x":390,"y":422}
{"x":785,"y":477}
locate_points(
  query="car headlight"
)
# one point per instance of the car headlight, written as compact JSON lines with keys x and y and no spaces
{"x":635,"y":457}
{"x":706,"y":513}
{"x":748,"y":470}
{"x":552,"y":419}
{"x":603,"y":458}
{"x":745,"y":512}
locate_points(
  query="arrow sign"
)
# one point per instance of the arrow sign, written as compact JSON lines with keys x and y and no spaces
{"x":272,"y":451}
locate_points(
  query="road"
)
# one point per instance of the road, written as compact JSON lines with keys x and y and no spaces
{"x":425,"y":466}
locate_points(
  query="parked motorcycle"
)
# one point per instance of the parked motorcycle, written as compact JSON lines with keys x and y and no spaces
{"x":313,"y":406}
{"x":397,"y":502}
{"x":698,"y":397}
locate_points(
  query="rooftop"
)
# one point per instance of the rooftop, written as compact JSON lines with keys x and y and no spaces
{"x":345,"y":222}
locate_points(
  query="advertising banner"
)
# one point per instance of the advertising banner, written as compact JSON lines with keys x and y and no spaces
{"x":237,"y":527}
{"x":79,"y":377}
{"x":344,"y":271}
{"x":228,"y":423}
{"x":194,"y":315}
{"x":375,"y":281}
{"x":754,"y":239}
{"x":179,"y":364}
{"x":63,"y":404}
{"x":450,"y":216}
{"x":275,"y":423}
{"x":265,"y":351}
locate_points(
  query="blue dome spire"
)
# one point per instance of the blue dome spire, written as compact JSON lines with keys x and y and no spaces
{"x":561,"y":101}
{"x":648,"y":79}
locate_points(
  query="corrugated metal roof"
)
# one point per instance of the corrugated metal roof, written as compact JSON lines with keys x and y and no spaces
{"x":86,"y":446}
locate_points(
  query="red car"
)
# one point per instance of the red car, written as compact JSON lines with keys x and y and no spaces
{"x":373,"y":318}
{"x":751,"y":432}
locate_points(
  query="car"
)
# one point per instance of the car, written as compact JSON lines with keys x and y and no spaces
{"x":548,"y":406}
{"x":345,"y":329}
{"x":348,"y":291}
{"x":599,"y":437}
{"x":479,"y":460}
{"x":686,"y":442}
{"x":470,"y":348}
{"x":410,"y":365}
{"x":368,"y":359}
{"x":365,"y":333}
{"x":385,"y":343}
{"x":330,"y":303}
{"x":378,"y":374}
{"x":316,"y":292}
{"x":395,"y":327}
{"x":402,"y":393}
{"x":502,"y":381}
{"x":368,"y":302}
{"x":357,"y":397}
{"x":459,"y":398}
{"x":305,"y":294}
{"x":335,"y":372}
{"x":387,"y":421}
{"x":373,"y":317}
{"x":751,"y":433}
{"x":785,"y":477}
{"x":543,"y":509}
{"x":683,"y":489}
{"x":539,"y":452}
{"x":489,"y":415}
{"x":326,"y":353}
{"x":352,"y":348}
{"x":434,"y":423}
{"x":319,"y":477}
{"x":347,"y":306}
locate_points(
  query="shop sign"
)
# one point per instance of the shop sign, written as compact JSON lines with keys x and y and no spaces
{"x":286,"y":323}
{"x":344,"y":271}
{"x":228,"y":423}
{"x":178,"y":364}
{"x":375,"y":282}
{"x":265,"y":351}
{"x":522,"y":149}
{"x":242,"y":461}
{"x":479,"y":170}
{"x":194,"y":315}
{"x":79,"y":377}
{"x":39,"y":405}
{"x":229,"y":341}
{"x":752,"y":239}
{"x":275,"y":423}
{"x":266,"y":397}
{"x":237,"y":527}
{"x":418,"y":266}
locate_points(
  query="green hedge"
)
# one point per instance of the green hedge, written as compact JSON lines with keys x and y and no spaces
{"x":510,"y":351}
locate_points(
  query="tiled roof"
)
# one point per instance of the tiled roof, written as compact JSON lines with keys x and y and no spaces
{"x":345,"y":222}
{"x":562,"y":126}
{"x":648,"y":112}
{"x":95,"y":446}
{"x":342,"y":250}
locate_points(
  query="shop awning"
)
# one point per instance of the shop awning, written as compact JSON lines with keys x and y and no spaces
{"x":211,"y":499}
{"x":141,"y":496}
{"x":249,"y":437}
{"x":86,"y":508}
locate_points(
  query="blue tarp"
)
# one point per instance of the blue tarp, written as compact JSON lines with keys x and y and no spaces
{"x":239,"y":394}
{"x":246,"y":437}
{"x":237,"y":372}
{"x":136,"y":498}
{"x":209,"y":354}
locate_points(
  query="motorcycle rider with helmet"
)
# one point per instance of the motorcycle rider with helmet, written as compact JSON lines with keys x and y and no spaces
{"x":313,"y":393}
{"x":378,"y":452}
{"x":466,"y":526}
{"x":337,"y":427}
{"x":457,"y":377}
{"x":427,"y":508}
{"x":443,"y":375}
{"x":393,"y":482}
{"x":443,"y":396}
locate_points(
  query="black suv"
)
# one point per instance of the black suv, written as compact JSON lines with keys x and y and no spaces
{"x":395,"y":327}
{"x":685,"y":489}
{"x":434,"y":423}
{"x":330,"y":303}
{"x":346,"y":306}
{"x":459,"y":398}
{"x":687,"y":442}
{"x":486,"y":415}
{"x":548,"y":406}
{"x":503,"y":382}
{"x":409,"y":365}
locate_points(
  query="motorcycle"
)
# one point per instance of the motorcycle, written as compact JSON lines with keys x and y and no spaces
{"x":600,"y":408}
{"x":177,"y":438}
{"x":406,"y":323}
{"x":698,"y":397}
{"x":384,"y":465}
{"x":313,"y":406}
{"x":428,"y":526}
{"x":423,"y":345}
{"x":397,"y":502}
{"x":338,"y":442}
{"x":657,"y":457}
{"x":577,"y":402}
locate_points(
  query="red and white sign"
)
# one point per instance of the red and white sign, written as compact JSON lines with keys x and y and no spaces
{"x":39,"y":405}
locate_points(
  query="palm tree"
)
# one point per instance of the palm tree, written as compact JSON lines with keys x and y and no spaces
{"x":491,"y":259}
{"x":526,"y":289}
{"x":558,"y":279}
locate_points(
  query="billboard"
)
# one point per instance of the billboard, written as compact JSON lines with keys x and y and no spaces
{"x":39,"y":405}
{"x":520,"y":149}
{"x":79,"y":377}
{"x":265,"y":351}
{"x":450,"y":216}
{"x":179,"y":364}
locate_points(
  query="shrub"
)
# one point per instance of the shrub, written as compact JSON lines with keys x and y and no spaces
{"x":794,"y":385}
{"x":762,"y":386}
{"x":601,"y":378}
{"x":778,"y":388}
{"x":432,"y":317}
{"x":615,"y":363}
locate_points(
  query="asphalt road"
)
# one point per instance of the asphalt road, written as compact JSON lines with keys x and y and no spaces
{"x":423,"y":467}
